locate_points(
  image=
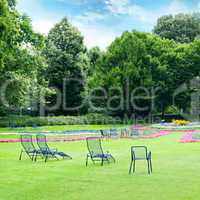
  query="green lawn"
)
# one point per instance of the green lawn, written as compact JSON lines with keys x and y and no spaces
{"x":12,"y":133}
{"x":60,"y":128}
{"x":176,"y":173}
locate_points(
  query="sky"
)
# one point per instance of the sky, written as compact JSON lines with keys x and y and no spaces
{"x":101,"y":21}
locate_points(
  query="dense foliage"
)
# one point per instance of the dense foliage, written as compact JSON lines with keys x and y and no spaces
{"x":21,"y":62}
{"x":66,"y":63}
{"x":149,"y":67}
{"x":29,"y":121}
{"x":182,"y":28}
{"x":138,"y":74}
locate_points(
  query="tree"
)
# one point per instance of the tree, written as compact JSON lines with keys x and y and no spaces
{"x":182,"y":28}
{"x":161,"y":59}
{"x":120,"y":71}
{"x":134,"y":64}
{"x":185,"y":73}
{"x":11,"y":3}
{"x":21,"y":60}
{"x":5,"y":30}
{"x":65,"y":55}
{"x":94,"y":56}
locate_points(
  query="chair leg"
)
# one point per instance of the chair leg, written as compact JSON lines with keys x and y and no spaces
{"x":34,"y":154}
{"x":56,"y":157}
{"x":134,"y":166}
{"x":130,"y":169}
{"x":87,"y":161}
{"x":151,"y":166}
{"x":102,"y":162}
{"x":148,"y":166}
{"x":46,"y":158}
{"x":113,"y":159}
{"x":67,"y":157}
{"x":20,"y":157}
{"x":29,"y":156}
{"x":35,"y":157}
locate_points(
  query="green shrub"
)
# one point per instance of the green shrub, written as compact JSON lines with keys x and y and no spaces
{"x":25,"y":121}
{"x":172,"y":110}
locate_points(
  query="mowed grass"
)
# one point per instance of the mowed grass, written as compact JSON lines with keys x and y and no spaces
{"x":176,"y":173}
{"x":61,"y":128}
{"x":14,"y":133}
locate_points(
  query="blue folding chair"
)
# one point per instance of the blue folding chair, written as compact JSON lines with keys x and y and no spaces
{"x":46,"y":151}
{"x":28,"y":147}
{"x":96,"y":152}
{"x":140,"y":153}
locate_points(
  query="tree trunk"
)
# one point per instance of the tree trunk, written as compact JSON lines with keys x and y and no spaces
{"x":163,"y":112}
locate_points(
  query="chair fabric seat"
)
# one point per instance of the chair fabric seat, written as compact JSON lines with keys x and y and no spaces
{"x":61,"y":154}
{"x":34,"y":151}
{"x":46,"y":151}
{"x":96,"y":152}
{"x":52,"y":152}
{"x":143,"y":158}
{"x":102,"y":156}
{"x":140,"y":158}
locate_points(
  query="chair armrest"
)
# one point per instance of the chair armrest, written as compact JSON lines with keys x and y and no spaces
{"x":149,"y":155}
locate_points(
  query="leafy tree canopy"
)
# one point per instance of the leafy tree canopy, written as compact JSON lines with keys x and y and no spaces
{"x":182,"y":28}
{"x":12,"y":3}
{"x":65,"y":55}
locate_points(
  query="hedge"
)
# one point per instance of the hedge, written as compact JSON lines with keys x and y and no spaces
{"x":27,"y":121}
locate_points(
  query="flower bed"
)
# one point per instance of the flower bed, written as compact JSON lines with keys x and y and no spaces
{"x":51,"y":139}
{"x":147,"y":132}
{"x":156,"y":135}
{"x":191,"y":136}
{"x":171,"y":126}
{"x":180,"y":122}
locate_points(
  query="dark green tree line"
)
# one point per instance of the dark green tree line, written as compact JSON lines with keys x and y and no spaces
{"x":183,"y":28}
{"x":67,"y":61}
{"x":21,"y":60}
{"x":35,"y":67}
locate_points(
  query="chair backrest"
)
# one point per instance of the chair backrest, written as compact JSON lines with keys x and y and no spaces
{"x":102,"y":133}
{"x":27,"y":142}
{"x":42,"y":142}
{"x":139,"y":152}
{"x":135,"y":132}
{"x":94,"y":146}
{"x":105,"y":133}
{"x":113,"y":132}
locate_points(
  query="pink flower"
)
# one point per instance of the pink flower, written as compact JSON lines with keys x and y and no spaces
{"x":156,"y":135}
{"x":187,"y":138}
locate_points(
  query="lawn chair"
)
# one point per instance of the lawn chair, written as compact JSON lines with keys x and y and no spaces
{"x":105,"y":134}
{"x":140,"y":153}
{"x":28,"y":147}
{"x":113,"y":133}
{"x":134,"y":132}
{"x":96,"y":152}
{"x":124,"y":133}
{"x":46,"y":151}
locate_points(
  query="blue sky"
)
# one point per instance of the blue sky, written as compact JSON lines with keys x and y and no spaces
{"x":100,"y":21}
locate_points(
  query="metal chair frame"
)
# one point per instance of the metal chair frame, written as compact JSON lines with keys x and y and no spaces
{"x":99,"y":156}
{"x":46,"y":151}
{"x":147,"y":156}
